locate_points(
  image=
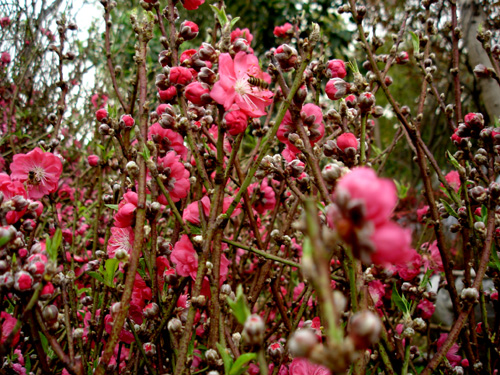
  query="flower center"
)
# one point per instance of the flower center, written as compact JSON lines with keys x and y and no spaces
{"x":242,"y":87}
{"x":36,"y":175}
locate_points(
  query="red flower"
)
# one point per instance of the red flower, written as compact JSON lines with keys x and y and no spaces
{"x":280,"y":31}
{"x":168,"y":139}
{"x":10,"y":189}
{"x":192,"y":4}
{"x":347,"y":140}
{"x":236,"y":121}
{"x":180,"y":76}
{"x":8,"y":325}
{"x":197,"y":93}
{"x":39,"y":170}
{"x":177,"y":182}
{"x":336,"y":68}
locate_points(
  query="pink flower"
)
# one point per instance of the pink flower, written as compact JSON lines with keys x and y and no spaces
{"x":313,"y":122}
{"x":8,"y":324}
{"x":453,"y":178}
{"x":93,"y":160}
{"x":408,"y":271}
{"x":23,"y":281}
{"x":180,"y":76}
{"x":363,"y":184}
{"x":185,"y":258}
{"x":168,"y":139}
{"x":6,"y":59}
{"x":4,"y":22}
{"x":427,"y":308}
{"x":121,"y":239}
{"x":390,"y":237}
{"x":452,"y":355}
{"x":241,"y":33}
{"x":197,"y":93}
{"x":421,"y":212}
{"x":126,"y":210}
{"x":188,"y":30}
{"x":347,"y":140}
{"x":336,"y":88}
{"x":377,"y":291}
{"x":192,"y":211}
{"x":177,"y":182}
{"x":233,"y":86}
{"x":236,"y":121}
{"x":102,"y":99}
{"x":39,"y":171}
{"x":301,"y":366}
{"x":11,"y":189}
{"x":266,"y":199}
{"x":280,"y":31}
{"x":336,"y":68}
{"x":186,"y":56}
{"x":431,"y":257}
{"x":192,"y":4}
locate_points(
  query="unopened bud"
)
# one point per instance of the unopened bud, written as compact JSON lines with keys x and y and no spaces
{"x":254,"y":329}
{"x":302,"y":342}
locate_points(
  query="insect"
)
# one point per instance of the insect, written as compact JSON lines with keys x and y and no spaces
{"x":257,"y":82}
{"x":31,"y":175}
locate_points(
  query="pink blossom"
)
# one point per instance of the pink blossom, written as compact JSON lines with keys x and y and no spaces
{"x":233,"y":86}
{"x":99,"y":101}
{"x":192,"y":212}
{"x":6,"y":59}
{"x":427,"y":308}
{"x":121,"y":239}
{"x":9,"y":322}
{"x":236,"y":121}
{"x":185,"y":258}
{"x":188,"y":30}
{"x":192,"y":4}
{"x":453,"y":178}
{"x":168,"y":139}
{"x":363,"y":184}
{"x":127,"y":120}
{"x":280,"y":31}
{"x":23,"y":281}
{"x":126,"y":210}
{"x":241,"y":33}
{"x":266,"y":199}
{"x":452,"y":355}
{"x":377,"y":291}
{"x":301,"y":366}
{"x":39,"y":170}
{"x":313,"y":122}
{"x":392,"y":244}
{"x":11,"y":189}
{"x":177,"y":182}
{"x":421,"y":212}
{"x":336,"y":68}
{"x":186,"y":56}
{"x":347,"y":140}
{"x":408,"y":271}
{"x":431,"y":257}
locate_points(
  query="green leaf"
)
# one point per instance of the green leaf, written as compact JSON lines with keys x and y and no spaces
{"x":402,"y":189}
{"x":454,"y":161}
{"x":449,"y":209}
{"x":226,"y":358}
{"x":96,"y":276}
{"x":237,"y":368}
{"x":415,"y":41}
{"x":52,"y":244}
{"x":111,"y":265}
{"x":234,"y":20}
{"x":400,"y":301}
{"x":112,"y":206}
{"x":496,"y":261}
{"x":239,"y":305}
{"x":145,"y":153}
{"x":221,"y":15}
{"x":194,"y":229}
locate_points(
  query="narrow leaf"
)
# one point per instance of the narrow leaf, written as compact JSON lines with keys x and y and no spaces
{"x":237,"y":367}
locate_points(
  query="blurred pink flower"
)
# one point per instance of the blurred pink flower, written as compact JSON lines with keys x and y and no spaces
{"x":233,"y":86}
{"x":452,"y":355}
{"x":301,"y":366}
{"x":241,"y":33}
{"x":39,"y":170}
{"x":280,"y":31}
{"x":10,"y":189}
{"x":177,"y":182}
{"x":453,"y":178}
{"x":427,"y":308}
{"x":185,"y":257}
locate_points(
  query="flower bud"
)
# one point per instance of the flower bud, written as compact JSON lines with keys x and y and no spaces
{"x":151,"y":310}
{"x":174,"y":326}
{"x":276,"y":351}
{"x":366,"y":101}
{"x":188,"y":30}
{"x":482,"y":71}
{"x":474,"y":121}
{"x":101,"y":115}
{"x":168,"y":94}
{"x":207,"y":52}
{"x":286,"y":56}
{"x":365,"y":328}
{"x":236,"y":122}
{"x":198,"y":93}
{"x":115,"y":308}
{"x":212,"y":356}
{"x":336,"y":69}
{"x":337,"y":88}
{"x":331,"y":172}
{"x":47,"y":291}
{"x":93,"y":160}
{"x":164,"y":58}
{"x":180,"y":76}
{"x":302,"y":342}
{"x":479,"y":194}
{"x":50,"y":314}
{"x":254,"y":329}
{"x":347,"y":140}
{"x":149,"y":349}
{"x":207,"y":75}
{"x":127,"y":121}
{"x":23,"y":281}
{"x":402,"y":58}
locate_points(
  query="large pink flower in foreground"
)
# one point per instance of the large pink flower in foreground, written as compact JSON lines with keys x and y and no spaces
{"x":301,"y":366}
{"x":361,"y":214}
{"x":233,"y":86}
{"x":39,"y":170}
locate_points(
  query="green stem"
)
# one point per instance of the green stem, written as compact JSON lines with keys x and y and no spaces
{"x":362,"y":140}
